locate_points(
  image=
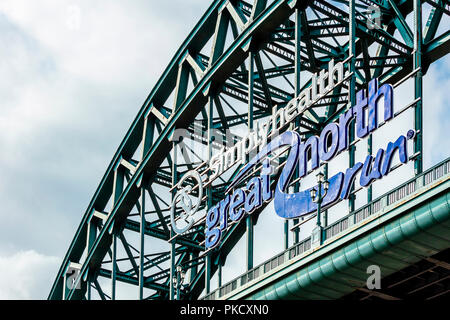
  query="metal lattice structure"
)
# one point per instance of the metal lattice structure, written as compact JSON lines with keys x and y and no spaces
{"x":242,"y":59}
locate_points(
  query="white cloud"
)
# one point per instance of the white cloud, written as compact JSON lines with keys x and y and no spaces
{"x":435,"y":112}
{"x":27,"y":275}
{"x":68,"y":96}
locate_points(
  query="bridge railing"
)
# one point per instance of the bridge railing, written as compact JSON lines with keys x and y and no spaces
{"x":390,"y":198}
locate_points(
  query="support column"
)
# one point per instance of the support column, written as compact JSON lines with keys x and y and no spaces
{"x":64,"y":287}
{"x":325,"y":212}
{"x":142,"y":238}
{"x":119,"y":176}
{"x":193,"y":273}
{"x":286,"y":234}
{"x":208,"y":274}
{"x":219,"y":275}
{"x":114,"y":265}
{"x":369,"y":152}
{"x":418,"y":120}
{"x":89,"y":289}
{"x":298,"y":34}
{"x":172,"y":234}
{"x":172,"y":264}
{"x":209,"y":196}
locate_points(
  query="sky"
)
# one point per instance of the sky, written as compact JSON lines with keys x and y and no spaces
{"x":74,"y":74}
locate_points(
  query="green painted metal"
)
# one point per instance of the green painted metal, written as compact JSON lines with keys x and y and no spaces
{"x":319,"y":217}
{"x":250,"y":125}
{"x":305,"y":35}
{"x":352,"y":91}
{"x":250,"y":242}
{"x":401,"y":24}
{"x":208,"y":267}
{"x":418,"y":118}
{"x":142,"y":245}
{"x":299,"y":16}
{"x":172,"y":234}
{"x":325,"y":212}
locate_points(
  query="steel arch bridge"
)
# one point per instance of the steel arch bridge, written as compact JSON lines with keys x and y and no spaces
{"x":241,"y":60}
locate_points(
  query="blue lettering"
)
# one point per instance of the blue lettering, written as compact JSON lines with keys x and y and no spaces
{"x":375,"y":94}
{"x":350,"y":175}
{"x":344,"y":122}
{"x":370,"y":173}
{"x":359,"y":110}
{"x":223,"y":208}
{"x":400,"y":145}
{"x":267,"y":193}
{"x":212,"y":237}
{"x":333,"y":139}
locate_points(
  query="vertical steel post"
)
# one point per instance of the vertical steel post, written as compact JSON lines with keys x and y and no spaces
{"x":172,"y":264}
{"x":172,"y":234}
{"x":193,"y":269}
{"x":251,"y":85}
{"x":210,"y":114}
{"x":298,"y":34}
{"x":369,"y":152}
{"x":249,"y":220}
{"x":64,"y":287}
{"x":91,"y":237}
{"x":325,"y":212}
{"x":352,"y":93}
{"x":249,"y":243}
{"x":418,"y":119}
{"x":89,"y":289}
{"x":286,"y":234}
{"x":119,"y":176}
{"x":319,"y":203}
{"x":219,"y":276}
{"x":142,"y":238}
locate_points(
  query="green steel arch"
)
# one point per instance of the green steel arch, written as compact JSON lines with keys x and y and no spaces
{"x":240,"y":60}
